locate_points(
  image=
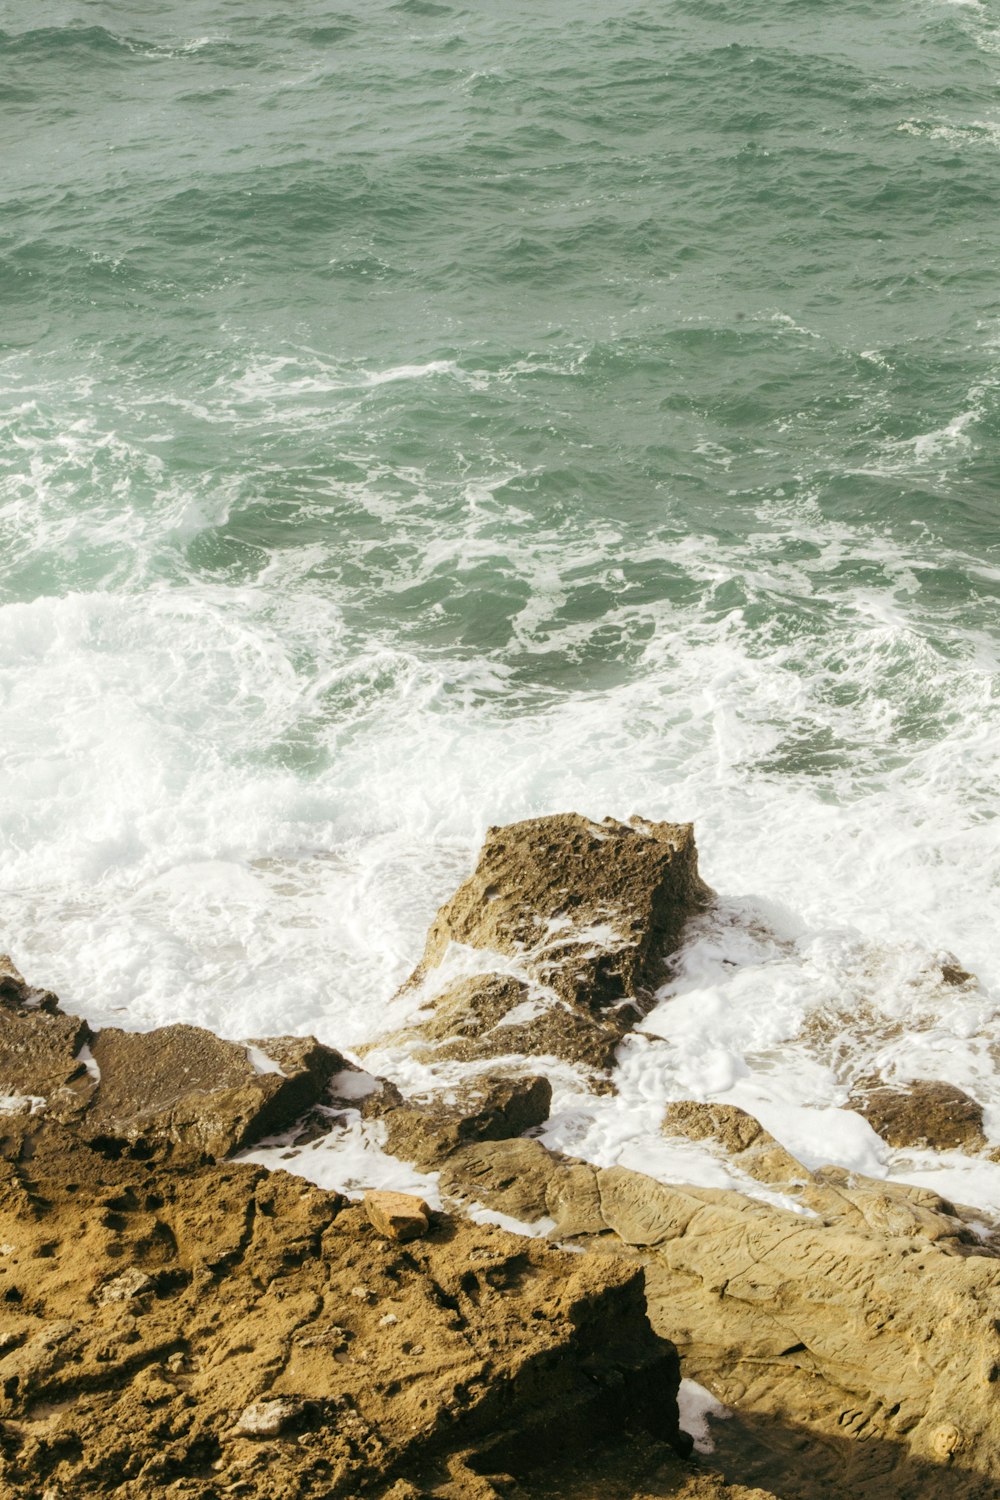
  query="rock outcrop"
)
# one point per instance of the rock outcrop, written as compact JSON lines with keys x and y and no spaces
{"x":206,"y":1329}
{"x":922,"y":1113}
{"x":179,"y":1085}
{"x":581,"y":917}
{"x":855,"y":1338}
{"x":173,"y":1323}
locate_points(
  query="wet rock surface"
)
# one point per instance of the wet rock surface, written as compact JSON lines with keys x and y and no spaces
{"x":492,"y":1108}
{"x":174,"y":1323}
{"x":921,"y":1113}
{"x":178,"y":1086}
{"x":587,"y":912}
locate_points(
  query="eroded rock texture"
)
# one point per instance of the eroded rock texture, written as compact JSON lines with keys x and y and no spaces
{"x":856,"y":1339}
{"x":179,"y":1085}
{"x":173,"y":1324}
{"x":583,"y":917}
{"x":213,"y":1329}
{"x":922,"y":1113}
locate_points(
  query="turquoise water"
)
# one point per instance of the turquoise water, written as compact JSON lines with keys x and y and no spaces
{"x":414,"y":416}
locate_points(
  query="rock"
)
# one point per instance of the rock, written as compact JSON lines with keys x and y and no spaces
{"x":921,"y":1114}
{"x":255,"y":1371}
{"x":589,"y":911}
{"x":399,"y":1216}
{"x":17,"y":995}
{"x":131,"y":1283}
{"x":268,"y":1419}
{"x":179,"y":1086}
{"x":183,"y":1085}
{"x":39,"y":1045}
{"x":489,"y":1109}
{"x":866,"y":1319}
{"x":510,"y":1176}
{"x":760,"y":1155}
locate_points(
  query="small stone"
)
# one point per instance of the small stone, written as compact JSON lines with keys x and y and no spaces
{"x":363,"y":1293}
{"x":399,"y":1216}
{"x":388,"y":1320}
{"x":131,"y":1283}
{"x":946,"y":1440}
{"x":267,"y":1419}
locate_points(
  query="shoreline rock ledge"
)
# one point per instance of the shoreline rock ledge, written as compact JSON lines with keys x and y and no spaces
{"x":176,"y":1323}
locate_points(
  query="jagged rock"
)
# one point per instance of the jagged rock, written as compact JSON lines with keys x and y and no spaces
{"x":589,"y":911}
{"x":253,"y":1368}
{"x":921,"y":1114}
{"x":179,"y":1086}
{"x":399,"y":1216}
{"x":496,"y":1016}
{"x":39,"y":1046}
{"x":490,"y":1109}
{"x":16,"y":994}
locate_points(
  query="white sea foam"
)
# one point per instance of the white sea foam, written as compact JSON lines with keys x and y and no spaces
{"x":696,"y":1405}
{"x":221,"y":805}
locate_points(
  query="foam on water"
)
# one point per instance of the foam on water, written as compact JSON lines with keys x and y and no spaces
{"x":362,"y":486}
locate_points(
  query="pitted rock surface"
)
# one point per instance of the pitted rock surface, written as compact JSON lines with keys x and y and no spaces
{"x":179,"y":1087}
{"x":203,"y":1330}
{"x":922,"y":1113}
{"x":590,"y":913}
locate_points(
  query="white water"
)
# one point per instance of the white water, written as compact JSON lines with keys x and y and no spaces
{"x":220,"y":805}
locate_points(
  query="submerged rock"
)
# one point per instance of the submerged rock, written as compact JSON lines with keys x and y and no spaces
{"x":737,"y":1132}
{"x":924,"y":1113}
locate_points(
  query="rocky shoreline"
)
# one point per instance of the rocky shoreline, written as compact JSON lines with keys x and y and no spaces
{"x":176,"y":1322}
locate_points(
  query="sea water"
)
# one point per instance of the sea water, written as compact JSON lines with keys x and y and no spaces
{"x":416,"y":416}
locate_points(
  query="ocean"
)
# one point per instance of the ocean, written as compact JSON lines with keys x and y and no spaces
{"x":415,"y":417}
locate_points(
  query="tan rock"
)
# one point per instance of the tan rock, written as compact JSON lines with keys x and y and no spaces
{"x":513,"y":1177}
{"x":491,"y":1108}
{"x":759,"y":1154}
{"x":254,"y":1370}
{"x":267,"y":1419}
{"x":40,"y":1046}
{"x":399,"y":1216}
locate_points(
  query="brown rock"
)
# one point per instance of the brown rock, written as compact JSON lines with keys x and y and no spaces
{"x":921,"y":1114}
{"x":16,"y":994}
{"x":848,"y":1340}
{"x":245,"y":1364}
{"x":490,"y":1109}
{"x":590,"y":911}
{"x":39,"y":1045}
{"x":181,"y":1084}
{"x":177,"y":1087}
{"x":399,"y":1216}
